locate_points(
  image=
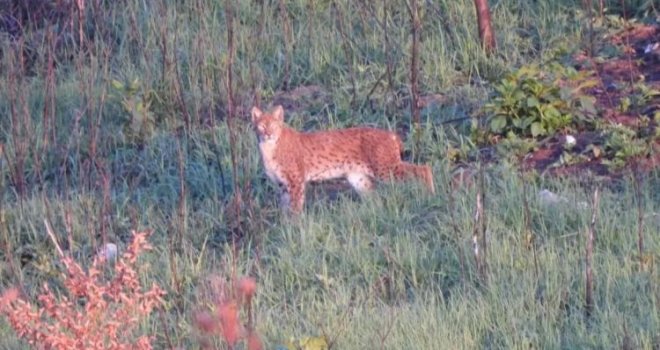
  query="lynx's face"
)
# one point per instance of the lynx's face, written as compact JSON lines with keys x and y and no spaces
{"x":268,"y":125}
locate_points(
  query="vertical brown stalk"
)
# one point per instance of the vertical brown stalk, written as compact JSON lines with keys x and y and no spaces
{"x":106,"y":204}
{"x":95,"y":123}
{"x":20,"y":120}
{"x":640,"y":213}
{"x":347,"y":50}
{"x":479,"y":239}
{"x":176,"y":240}
{"x":49,"y":91}
{"x":528,"y":234}
{"x":229,"y":81}
{"x":589,"y":278}
{"x":254,"y":76}
{"x":481,"y":206}
{"x":486,"y":34}
{"x":451,"y":202}
{"x":178,"y":82}
{"x":590,"y":16}
{"x":414,"y":68}
{"x":80,"y":7}
{"x":287,"y":44}
{"x":476,"y":246}
{"x":386,"y":38}
{"x":231,"y":113}
{"x":183,"y":206}
{"x":164,"y":48}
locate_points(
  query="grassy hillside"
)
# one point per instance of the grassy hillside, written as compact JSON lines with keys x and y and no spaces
{"x":122,"y":116}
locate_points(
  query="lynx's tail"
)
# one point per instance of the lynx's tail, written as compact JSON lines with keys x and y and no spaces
{"x":422,"y":172}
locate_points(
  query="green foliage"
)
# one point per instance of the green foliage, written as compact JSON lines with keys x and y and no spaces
{"x":625,"y":144}
{"x":537,"y":101}
{"x":138,"y":122}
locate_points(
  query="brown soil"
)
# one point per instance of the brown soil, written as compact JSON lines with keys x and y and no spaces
{"x":617,"y":77}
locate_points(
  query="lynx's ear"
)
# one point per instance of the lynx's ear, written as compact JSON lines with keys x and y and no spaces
{"x":278,"y":113}
{"x":256,"y":113}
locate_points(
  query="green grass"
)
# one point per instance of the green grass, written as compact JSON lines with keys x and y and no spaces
{"x":385,"y":271}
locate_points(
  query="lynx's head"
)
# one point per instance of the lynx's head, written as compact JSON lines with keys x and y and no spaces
{"x":269,"y":124}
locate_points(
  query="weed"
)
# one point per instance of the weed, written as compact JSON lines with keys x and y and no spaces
{"x":225,"y":318}
{"x":95,"y":313}
{"x":535,"y":102}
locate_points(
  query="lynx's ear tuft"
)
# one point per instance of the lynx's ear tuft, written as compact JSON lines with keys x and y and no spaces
{"x":278,"y":113}
{"x":256,"y":113}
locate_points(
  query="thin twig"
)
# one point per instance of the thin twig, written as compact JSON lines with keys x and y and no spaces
{"x":640,"y":212}
{"x":287,"y":44}
{"x":414,"y":73}
{"x":452,"y":216}
{"x":348,"y":54}
{"x":589,"y":282}
{"x":475,"y":233}
{"x":528,"y":236}
{"x":49,"y":230}
{"x":482,"y":224}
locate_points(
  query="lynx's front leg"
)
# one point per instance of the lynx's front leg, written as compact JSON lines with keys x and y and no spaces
{"x":295,"y":196}
{"x":285,"y":198}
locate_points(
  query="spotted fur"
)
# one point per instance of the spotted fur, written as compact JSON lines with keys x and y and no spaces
{"x":360,"y":155}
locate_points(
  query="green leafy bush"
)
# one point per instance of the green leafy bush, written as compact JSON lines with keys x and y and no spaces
{"x":624,"y":143}
{"x":537,"y":101}
{"x":138,"y":119}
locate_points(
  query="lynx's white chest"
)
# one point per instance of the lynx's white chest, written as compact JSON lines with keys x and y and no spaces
{"x":273,"y":169}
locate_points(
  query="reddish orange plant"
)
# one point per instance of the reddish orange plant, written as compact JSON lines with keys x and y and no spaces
{"x":226,"y":319}
{"x":94,"y":312}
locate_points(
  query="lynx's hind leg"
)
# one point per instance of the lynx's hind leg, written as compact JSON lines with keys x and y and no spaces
{"x":360,"y":182}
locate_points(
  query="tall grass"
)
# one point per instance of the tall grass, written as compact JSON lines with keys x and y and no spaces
{"x":393,"y":270}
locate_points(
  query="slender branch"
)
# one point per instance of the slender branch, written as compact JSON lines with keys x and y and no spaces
{"x":414,"y":63}
{"x":640,"y":213}
{"x":589,"y":279}
{"x":348,"y":54}
{"x":482,"y":223}
{"x":452,"y":216}
{"x":287,"y":44}
{"x":49,"y":230}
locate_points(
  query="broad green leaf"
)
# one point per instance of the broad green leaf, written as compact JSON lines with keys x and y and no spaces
{"x":117,"y":84}
{"x":551,"y":112}
{"x":498,"y":123}
{"x":589,"y":83}
{"x":537,"y":129}
{"x":532,"y":101}
{"x":528,"y":121}
{"x":519,"y":95}
{"x":565,"y":93}
{"x":587,"y":103}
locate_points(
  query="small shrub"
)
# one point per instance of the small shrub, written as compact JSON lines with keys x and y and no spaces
{"x":93,"y":313}
{"x":535,"y":102}
{"x":624,"y":144}
{"x":138,"y":123}
{"x":225,"y":320}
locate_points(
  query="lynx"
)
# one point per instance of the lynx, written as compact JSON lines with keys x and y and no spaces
{"x":292,"y":159}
